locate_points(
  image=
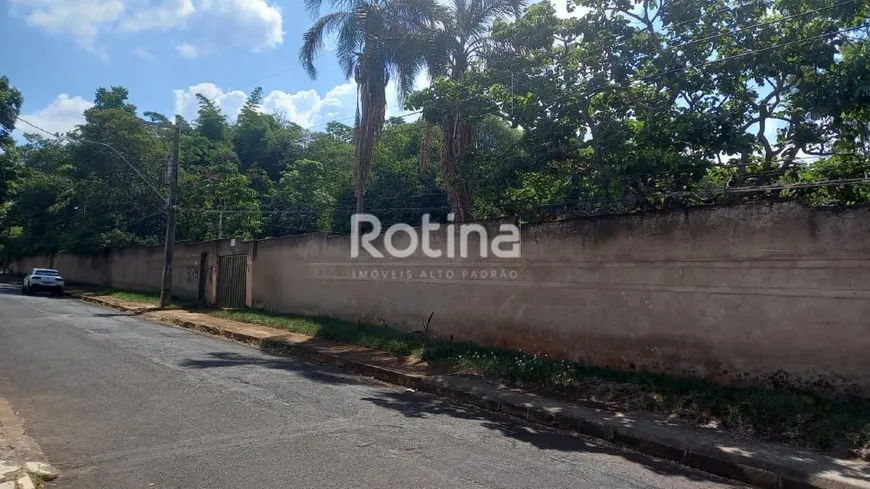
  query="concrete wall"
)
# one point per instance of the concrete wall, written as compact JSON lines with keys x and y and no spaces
{"x":141,"y":268}
{"x":746,"y":292}
{"x":751,"y":292}
{"x":24,"y":265}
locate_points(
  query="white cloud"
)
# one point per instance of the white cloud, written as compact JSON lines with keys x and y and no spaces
{"x":143,"y":53}
{"x":396,"y":108}
{"x":172,"y":13}
{"x":61,"y":116}
{"x":256,"y":24}
{"x":214,"y":24}
{"x":207,"y":24}
{"x":308,"y":108}
{"x":187,"y":105}
{"x":187,"y":50}
{"x":82,"y":19}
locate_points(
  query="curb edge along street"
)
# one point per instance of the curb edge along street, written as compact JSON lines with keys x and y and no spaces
{"x":650,"y":438}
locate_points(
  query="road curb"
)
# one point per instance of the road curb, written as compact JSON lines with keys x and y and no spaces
{"x":657,"y":442}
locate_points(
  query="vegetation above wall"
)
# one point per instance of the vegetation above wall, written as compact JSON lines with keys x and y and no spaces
{"x":627,"y":107}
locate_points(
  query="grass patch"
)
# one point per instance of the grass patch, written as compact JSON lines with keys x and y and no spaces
{"x":367,"y":335}
{"x":783,"y":415}
{"x":150,"y":298}
{"x":144,"y":297}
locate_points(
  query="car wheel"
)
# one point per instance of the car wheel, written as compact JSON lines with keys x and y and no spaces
{"x":26,"y":290}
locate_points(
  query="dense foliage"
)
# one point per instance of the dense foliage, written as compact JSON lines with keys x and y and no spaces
{"x":630,"y":105}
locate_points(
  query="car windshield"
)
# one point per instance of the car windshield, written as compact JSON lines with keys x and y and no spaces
{"x":51,"y":273}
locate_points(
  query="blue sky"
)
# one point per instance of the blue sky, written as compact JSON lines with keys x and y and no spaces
{"x":58,"y":52}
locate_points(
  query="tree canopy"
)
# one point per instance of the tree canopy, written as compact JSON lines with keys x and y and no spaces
{"x":625,"y":107}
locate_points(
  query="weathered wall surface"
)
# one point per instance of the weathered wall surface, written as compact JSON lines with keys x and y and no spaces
{"x":24,"y":265}
{"x":730,"y":292}
{"x":748,"y":292}
{"x":141,"y":268}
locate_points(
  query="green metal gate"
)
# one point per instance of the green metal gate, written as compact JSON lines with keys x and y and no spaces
{"x":232,"y":279}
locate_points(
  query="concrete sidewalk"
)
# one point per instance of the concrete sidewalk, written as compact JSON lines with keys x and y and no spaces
{"x":21,"y":460}
{"x":715,"y":451}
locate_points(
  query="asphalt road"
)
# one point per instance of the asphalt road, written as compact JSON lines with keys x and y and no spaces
{"x":120,"y":402}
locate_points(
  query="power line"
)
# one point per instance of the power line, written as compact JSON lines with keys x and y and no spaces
{"x":681,"y":168}
{"x":324,"y":53}
{"x":100,"y":229}
{"x":624,"y":197}
{"x":603,"y":205}
{"x":132,"y":167}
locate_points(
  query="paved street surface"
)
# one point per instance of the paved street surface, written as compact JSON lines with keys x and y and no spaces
{"x":120,"y":402}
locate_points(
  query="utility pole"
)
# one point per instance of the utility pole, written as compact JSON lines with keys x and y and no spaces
{"x":221,"y":224}
{"x":171,"y":204}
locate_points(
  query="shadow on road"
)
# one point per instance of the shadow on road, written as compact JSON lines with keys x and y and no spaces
{"x":14,"y":288}
{"x":117,"y":314}
{"x":422,"y":405}
{"x":308,"y":370}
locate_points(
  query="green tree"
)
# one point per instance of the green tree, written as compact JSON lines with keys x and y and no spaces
{"x":377,"y":41}
{"x":210,"y":122}
{"x":263,"y":140}
{"x":334,"y":149}
{"x":630,"y":106}
{"x":117,"y":163}
{"x":217,"y":201}
{"x":462,"y":39}
{"x":301,"y":202}
{"x":399,"y":191}
{"x":10,"y":106}
{"x":282,"y":145}
{"x":43,"y":214}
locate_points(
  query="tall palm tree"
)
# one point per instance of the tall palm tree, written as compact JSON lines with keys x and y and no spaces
{"x":462,"y":40}
{"x":378,"y":41}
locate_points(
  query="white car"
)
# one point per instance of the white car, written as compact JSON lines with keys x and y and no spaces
{"x":43,"y":280}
